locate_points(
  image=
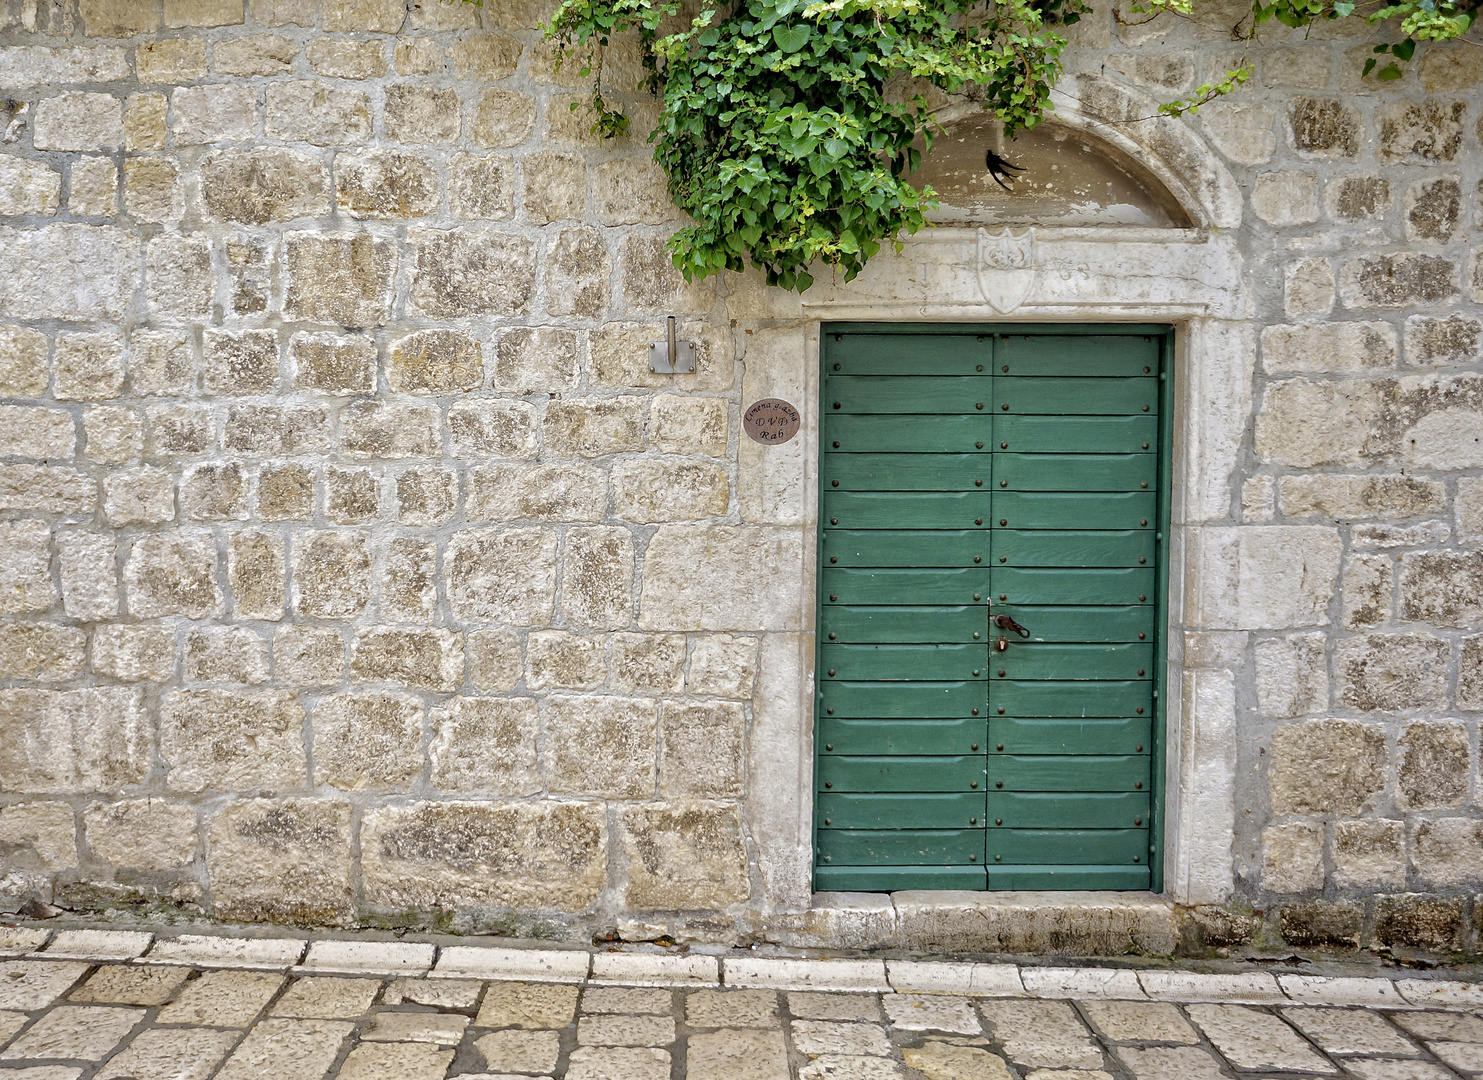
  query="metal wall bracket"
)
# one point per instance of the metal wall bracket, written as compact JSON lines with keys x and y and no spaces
{"x":671,"y":357}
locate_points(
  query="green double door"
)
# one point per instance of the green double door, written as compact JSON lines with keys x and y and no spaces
{"x":991,"y":590}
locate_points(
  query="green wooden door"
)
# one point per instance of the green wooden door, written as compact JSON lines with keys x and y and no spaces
{"x":969,"y":474}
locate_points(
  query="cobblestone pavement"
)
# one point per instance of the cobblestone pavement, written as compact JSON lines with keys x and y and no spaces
{"x":114,"y":1005}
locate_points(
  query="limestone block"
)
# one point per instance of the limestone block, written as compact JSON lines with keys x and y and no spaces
{"x":225,"y":654}
{"x":318,"y":114}
{"x":409,"y":580}
{"x":650,"y":284}
{"x":578,"y":270}
{"x":522,"y":856}
{"x":1418,"y":921}
{"x":1397,"y":280}
{"x":502,"y":575}
{"x":37,"y":433}
{"x":1391,"y":672}
{"x":1292,"y":675}
{"x":1393,"y":536}
{"x":345,"y":58}
{"x":1271,"y":577}
{"x":69,"y":271}
{"x":35,"y":65}
{"x":1326,"y":766}
{"x":182,"y":13}
{"x":385,"y":429}
{"x":344,"y":280}
{"x":285,"y":493}
{"x":1369,"y":582}
{"x":537,"y":358}
{"x":1448,"y":851}
{"x":650,"y":490}
{"x":426,"y":495}
{"x":134,"y":653}
{"x":494,"y":659}
{"x":1292,"y":858}
{"x":1426,"y":132}
{"x":308,"y":656}
{"x":28,"y":187}
{"x":485,"y":746}
{"x":281,"y":860}
{"x":683,"y":855}
{"x":178,"y":429}
{"x":41,"y":651}
{"x":46,"y":828}
{"x":524,"y":14}
{"x":51,"y":490}
{"x":160,"y":362}
{"x":513,"y":492}
{"x":115,"y":436}
{"x":568,"y":126}
{"x":92,"y":187}
{"x":424,"y":658}
{"x":1324,"y":128}
{"x":275,"y":429}
{"x":178,"y":277}
{"x":78,"y":121}
{"x":1309,"y":287}
{"x":351,"y":496}
{"x":723,"y":666}
{"x":648,"y":663}
{"x":503,"y":118}
{"x":241,"y":362}
{"x":1347,"y":498}
{"x":373,"y":16}
{"x":701,"y":750}
{"x":681,"y":424}
{"x":481,"y":187}
{"x":719,"y":577}
{"x":418,"y":114}
{"x":258,"y":54}
{"x":594,"y":427}
{"x":556,"y":658}
{"x":23,"y":369}
{"x":435,"y":362}
{"x":1369,"y":854}
{"x":173,"y":573}
{"x":214,"y":493}
{"x":171,"y":60}
{"x":620,"y":352}
{"x":1433,"y":209}
{"x":142,"y":834}
{"x":262,"y":184}
{"x":232,"y":740}
{"x":485,"y":57}
{"x":625,"y":728}
{"x":385,"y":184}
{"x":333,"y":363}
{"x":96,"y":739}
{"x":1357,"y":198}
{"x":218,"y":112}
{"x":1286,"y":198}
{"x":493,"y":427}
{"x":1444,"y":588}
{"x":1434,"y":341}
{"x":117,"y":18}
{"x":632,"y":191}
{"x":1305,"y":423}
{"x":367,"y":741}
{"x":331,"y":575}
{"x":89,"y":367}
{"x":89,"y":572}
{"x":463,"y":273}
{"x":1433,"y":765}
{"x":419,"y":56}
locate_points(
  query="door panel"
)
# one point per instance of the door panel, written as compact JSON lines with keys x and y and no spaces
{"x":910,"y":509}
{"x":903,"y":624}
{"x":963,"y":735}
{"x":894,"y":663}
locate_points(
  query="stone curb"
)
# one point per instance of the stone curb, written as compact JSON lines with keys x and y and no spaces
{"x":392,"y":959}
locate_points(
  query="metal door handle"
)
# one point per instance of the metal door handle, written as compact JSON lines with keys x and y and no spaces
{"x":1004,"y":622}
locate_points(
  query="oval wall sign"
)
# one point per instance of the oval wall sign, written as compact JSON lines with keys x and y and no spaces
{"x":771,"y":420}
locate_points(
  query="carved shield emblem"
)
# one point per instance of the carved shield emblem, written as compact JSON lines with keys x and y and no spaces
{"x":1007,"y":268}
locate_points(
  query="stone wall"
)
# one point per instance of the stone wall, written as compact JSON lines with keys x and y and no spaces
{"x":355,"y":569}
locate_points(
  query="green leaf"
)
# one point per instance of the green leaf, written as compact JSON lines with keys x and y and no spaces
{"x":1389,"y":73}
{"x":791,"y":38}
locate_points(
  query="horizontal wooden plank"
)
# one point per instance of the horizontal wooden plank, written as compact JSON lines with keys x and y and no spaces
{"x":1033,"y":660}
{"x":1075,"y":434}
{"x":929,"y":395}
{"x":1061,"y":735}
{"x":1062,"y":810}
{"x":905,"y":472}
{"x":1096,"y":847}
{"x":1055,"y":396}
{"x":904,"y":624}
{"x":896,"y":700}
{"x":901,"y":585}
{"x":896,"y":878}
{"x":1072,"y":622}
{"x":1068,"y":472}
{"x":1071,"y":548}
{"x":1065,"y":878}
{"x":898,"y":811}
{"x":908,"y":354}
{"x":1038,"y":354}
{"x":902,"y":773}
{"x":913,"y":510}
{"x":901,"y":847}
{"x":906,"y":547}
{"x":1072,"y":510}
{"x":1122,"y":585}
{"x":962,"y":735}
{"x":1061,"y":772}
{"x":936,"y":434}
{"x":914,"y":662}
{"x":1069,"y":699}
